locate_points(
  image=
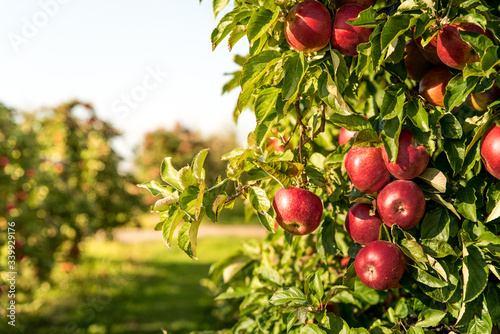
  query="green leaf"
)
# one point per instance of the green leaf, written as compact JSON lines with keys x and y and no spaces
{"x":395,"y":26}
{"x":258,"y":198}
{"x":351,"y":122}
{"x":455,"y":152}
{"x":295,"y":67}
{"x":260,"y":22}
{"x":156,"y":189}
{"x":288,"y":295}
{"x":475,"y":273}
{"x":393,"y":101}
{"x":435,"y":178}
{"x":418,"y":115}
{"x":270,"y":275}
{"x":186,"y":177}
{"x":169,"y":174}
{"x":314,"y":289}
{"x":325,"y":239}
{"x":413,"y":250}
{"x":191,"y":200}
{"x":457,"y":90}
{"x":219,"y":5}
{"x":281,"y":171}
{"x":170,"y":221}
{"x":255,"y":67}
{"x":311,"y":329}
{"x":427,"y":279}
{"x":493,"y":204}
{"x":430,"y":318}
{"x":197,"y":164}
{"x":437,"y":248}
{"x":366,"y":18}
{"x":436,"y":224}
{"x":164,"y":203}
{"x":438,"y":199}
{"x":336,"y":325}
{"x":450,"y":127}
{"x":187,"y":238}
{"x":390,"y":135}
{"x":265,"y":103}
{"x":267,"y":219}
{"x":482,"y":322}
{"x":466,"y":203}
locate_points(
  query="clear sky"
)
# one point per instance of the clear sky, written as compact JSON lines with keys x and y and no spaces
{"x":142,"y":63}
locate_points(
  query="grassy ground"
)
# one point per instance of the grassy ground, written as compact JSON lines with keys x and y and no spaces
{"x":129,"y":288}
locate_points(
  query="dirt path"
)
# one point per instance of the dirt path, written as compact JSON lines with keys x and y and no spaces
{"x":131,"y":235}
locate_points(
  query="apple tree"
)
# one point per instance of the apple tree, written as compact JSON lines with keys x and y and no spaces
{"x":387,"y":112}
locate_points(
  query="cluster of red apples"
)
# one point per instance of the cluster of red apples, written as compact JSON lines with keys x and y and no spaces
{"x":399,"y":201}
{"x":430,"y":64}
{"x":309,"y":26}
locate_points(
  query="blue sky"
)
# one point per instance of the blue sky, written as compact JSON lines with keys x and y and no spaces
{"x":142,"y":63}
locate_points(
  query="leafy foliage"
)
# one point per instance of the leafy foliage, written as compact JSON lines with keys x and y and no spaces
{"x":60,"y":182}
{"x":284,"y":284}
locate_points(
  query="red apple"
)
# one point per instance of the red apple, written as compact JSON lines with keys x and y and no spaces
{"x":432,"y":87}
{"x":9,"y":206}
{"x":4,"y":161}
{"x":345,"y":135}
{"x":346,"y":37}
{"x":366,"y":168}
{"x":298,"y":211}
{"x":401,"y":202}
{"x":308,"y":26}
{"x":452,"y":49}
{"x":344,"y":262}
{"x":364,"y":3}
{"x":415,"y":63}
{"x":362,"y":225}
{"x":412,"y":158}
{"x":30,"y":173}
{"x":380,"y":265}
{"x":490,"y":150}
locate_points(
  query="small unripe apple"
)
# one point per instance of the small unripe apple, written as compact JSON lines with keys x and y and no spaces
{"x":366,"y":168}
{"x":452,"y":49}
{"x":432,"y":87}
{"x":412,"y":158}
{"x":362,"y":224}
{"x":490,"y":150}
{"x":308,"y":26}
{"x":345,"y":37}
{"x":298,"y":211}
{"x":380,"y":265}
{"x":401,"y":202}
{"x":415,"y":63}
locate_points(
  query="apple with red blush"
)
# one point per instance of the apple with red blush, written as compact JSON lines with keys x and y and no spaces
{"x":298,"y":211}
{"x":490,"y":150}
{"x":363,"y":224}
{"x":345,"y":37}
{"x":401,"y":203}
{"x":452,"y":49}
{"x":432,"y":86}
{"x":380,"y":265}
{"x":412,"y":158}
{"x":308,"y":26}
{"x":366,"y":168}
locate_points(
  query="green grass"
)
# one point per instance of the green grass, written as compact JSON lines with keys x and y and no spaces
{"x":129,"y":288}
